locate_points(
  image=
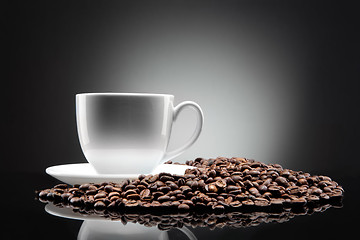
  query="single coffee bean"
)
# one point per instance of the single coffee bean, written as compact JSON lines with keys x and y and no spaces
{"x":100,"y":195}
{"x":113,"y":194}
{"x":302,"y":181}
{"x":212,"y":173}
{"x":183,"y":207}
{"x":220,"y":183}
{"x":163,"y":198}
{"x":262,"y":188}
{"x":133,"y":196}
{"x":130,"y":191}
{"x":145,"y":194}
{"x":166,"y":178}
{"x":254,"y":191}
{"x":281,"y":181}
{"x":253,"y":173}
{"x":232,"y":188}
{"x":76,"y":201}
{"x":211,"y":188}
{"x":164,"y":189}
{"x":61,"y":186}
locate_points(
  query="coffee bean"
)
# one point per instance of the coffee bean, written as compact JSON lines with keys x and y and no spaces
{"x":253,"y":173}
{"x":281,"y":181}
{"x":220,"y":183}
{"x":164,"y":189}
{"x":232,"y":188}
{"x":109,"y":188}
{"x":183,"y":207}
{"x":99,"y":205}
{"x":254,"y":191}
{"x":166,"y":178}
{"x":211,"y":188}
{"x":76,"y":201}
{"x":61,"y":186}
{"x":100,"y":195}
{"x":298,"y":202}
{"x":145,"y":194}
{"x":130,"y":191}
{"x":262,"y":188}
{"x":153,"y":178}
{"x":113,"y":194}
{"x":302,"y":181}
{"x":212,"y":173}
{"x":163,"y":198}
{"x":133,"y":196}
{"x":84,"y":187}
{"x":181,"y":182}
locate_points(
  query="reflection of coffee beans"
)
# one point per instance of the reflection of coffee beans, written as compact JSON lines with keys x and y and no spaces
{"x":221,"y":184}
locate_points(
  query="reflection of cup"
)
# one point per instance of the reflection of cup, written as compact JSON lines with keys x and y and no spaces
{"x":128,"y":133}
{"x":94,"y":229}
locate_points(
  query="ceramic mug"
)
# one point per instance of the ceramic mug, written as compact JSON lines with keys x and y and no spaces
{"x":128,"y":133}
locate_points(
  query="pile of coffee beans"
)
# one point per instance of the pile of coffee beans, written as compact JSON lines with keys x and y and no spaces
{"x":221,"y":184}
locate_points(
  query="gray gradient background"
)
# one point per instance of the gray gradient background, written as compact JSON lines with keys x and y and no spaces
{"x":277,"y":80}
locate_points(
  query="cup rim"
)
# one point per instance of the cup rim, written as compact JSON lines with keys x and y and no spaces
{"x":124,"y":94}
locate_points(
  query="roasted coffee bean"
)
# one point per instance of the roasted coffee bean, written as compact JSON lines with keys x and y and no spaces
{"x":66,"y":196}
{"x":211,"y":188}
{"x":99,"y":205}
{"x":254,"y":191}
{"x":220,"y":183}
{"x":181,"y":182}
{"x":133,"y":196}
{"x":189,"y":176}
{"x":262,"y":188}
{"x":157,"y":194}
{"x":281,"y":181}
{"x":130,"y":191}
{"x":153,"y":178}
{"x":298,"y":202}
{"x":212,"y":173}
{"x":100,"y":195}
{"x":163,"y":198}
{"x":108,"y":188}
{"x":84,"y":187}
{"x":164,"y":189}
{"x":253,"y":173}
{"x":172,"y":185}
{"x":61,"y":186}
{"x":183,"y":207}
{"x":113,"y":194}
{"x":232,"y":188}
{"x":302,"y":181}
{"x":76,"y":201}
{"x":145,"y":194}
{"x":166,"y":178}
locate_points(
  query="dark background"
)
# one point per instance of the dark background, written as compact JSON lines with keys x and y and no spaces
{"x":299,"y":58}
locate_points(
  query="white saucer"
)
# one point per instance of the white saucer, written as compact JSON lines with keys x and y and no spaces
{"x":80,"y":173}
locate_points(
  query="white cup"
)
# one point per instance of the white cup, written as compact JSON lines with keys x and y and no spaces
{"x":128,"y":133}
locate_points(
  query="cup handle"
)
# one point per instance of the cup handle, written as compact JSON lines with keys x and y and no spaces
{"x":195,"y":135}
